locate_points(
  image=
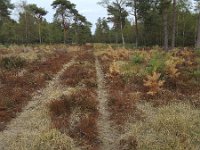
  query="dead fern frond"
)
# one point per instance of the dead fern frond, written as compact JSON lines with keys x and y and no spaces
{"x":153,"y":83}
{"x":171,"y":66}
{"x":186,"y":53}
{"x":114,"y":69}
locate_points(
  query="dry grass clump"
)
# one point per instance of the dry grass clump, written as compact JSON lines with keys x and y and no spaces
{"x":30,"y":55}
{"x":50,"y":140}
{"x":54,"y":140}
{"x":175,"y":126}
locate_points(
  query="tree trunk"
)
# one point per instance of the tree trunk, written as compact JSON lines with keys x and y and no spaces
{"x":64,"y":29}
{"x":183,"y":33}
{"x":65,"y":35}
{"x":174,"y":25}
{"x":122,"y":34}
{"x":165,"y":29}
{"x":116,"y":38}
{"x":26,"y":27}
{"x":136,"y":24}
{"x":198,"y":34}
{"x":40,"y":33}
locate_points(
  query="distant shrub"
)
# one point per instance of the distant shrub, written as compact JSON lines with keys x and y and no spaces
{"x":12,"y":63}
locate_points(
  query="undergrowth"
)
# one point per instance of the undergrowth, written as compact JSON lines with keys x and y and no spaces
{"x":174,"y":126}
{"x":12,"y":63}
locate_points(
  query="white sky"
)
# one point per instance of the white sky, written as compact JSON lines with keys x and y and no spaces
{"x":89,"y":8}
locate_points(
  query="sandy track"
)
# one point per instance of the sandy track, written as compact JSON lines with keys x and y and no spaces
{"x":34,"y":118}
{"x":107,"y":133}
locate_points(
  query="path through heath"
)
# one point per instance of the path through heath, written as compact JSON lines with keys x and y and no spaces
{"x":107,"y":134}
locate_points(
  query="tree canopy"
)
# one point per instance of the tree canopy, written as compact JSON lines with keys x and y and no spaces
{"x":166,"y":23}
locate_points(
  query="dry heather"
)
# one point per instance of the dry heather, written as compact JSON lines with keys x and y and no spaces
{"x":121,"y":100}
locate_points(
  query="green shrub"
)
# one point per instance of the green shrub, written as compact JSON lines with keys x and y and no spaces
{"x":137,"y":59}
{"x":196,"y":75}
{"x":156,"y":63}
{"x":197,"y":52}
{"x":12,"y":63}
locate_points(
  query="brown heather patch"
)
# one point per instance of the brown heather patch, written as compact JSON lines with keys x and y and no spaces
{"x":85,"y":56}
{"x":51,"y":65}
{"x":80,"y":74}
{"x":86,"y":130}
{"x":85,"y":99}
{"x":122,"y":106}
{"x":116,"y":82}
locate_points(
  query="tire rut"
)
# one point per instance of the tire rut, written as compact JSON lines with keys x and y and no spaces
{"x":107,"y":134}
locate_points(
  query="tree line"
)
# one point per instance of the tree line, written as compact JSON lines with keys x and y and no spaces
{"x":68,"y":25}
{"x":167,"y":23}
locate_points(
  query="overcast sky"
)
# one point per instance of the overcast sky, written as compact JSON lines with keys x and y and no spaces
{"x":88,"y":8}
